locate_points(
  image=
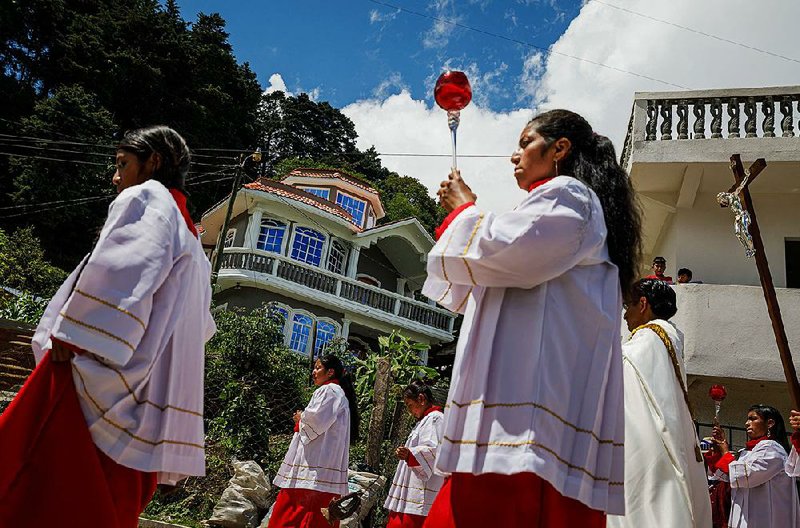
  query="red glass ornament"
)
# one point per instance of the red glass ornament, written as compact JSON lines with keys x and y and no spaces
{"x":717,"y":393}
{"x":452,"y":91}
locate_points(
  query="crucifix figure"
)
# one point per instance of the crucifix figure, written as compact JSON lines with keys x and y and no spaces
{"x":747,"y":231}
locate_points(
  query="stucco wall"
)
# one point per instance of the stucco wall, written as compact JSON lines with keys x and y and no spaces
{"x":703,"y":240}
{"x":728,"y":332}
{"x":252,"y":298}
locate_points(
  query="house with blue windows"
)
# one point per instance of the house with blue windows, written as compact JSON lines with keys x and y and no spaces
{"x":309,"y":245}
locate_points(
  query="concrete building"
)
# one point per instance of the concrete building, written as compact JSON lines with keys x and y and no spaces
{"x":310,"y":245}
{"x":677,"y":152}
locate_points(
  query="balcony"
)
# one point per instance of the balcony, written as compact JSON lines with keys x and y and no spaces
{"x":723,"y":122}
{"x":336,"y":291}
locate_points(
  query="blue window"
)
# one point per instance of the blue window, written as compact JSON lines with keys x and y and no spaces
{"x":282,"y":314}
{"x":307,"y":246}
{"x":301,"y":331}
{"x":271,"y":236}
{"x":325,"y":332}
{"x":322,"y":193}
{"x":353,"y":206}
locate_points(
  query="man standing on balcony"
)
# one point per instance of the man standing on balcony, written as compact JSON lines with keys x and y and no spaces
{"x":665,"y":480}
{"x":659,"y":266}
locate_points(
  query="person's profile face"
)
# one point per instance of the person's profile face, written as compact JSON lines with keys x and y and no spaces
{"x":683,"y":278}
{"x":130,"y":171}
{"x":532,"y":160}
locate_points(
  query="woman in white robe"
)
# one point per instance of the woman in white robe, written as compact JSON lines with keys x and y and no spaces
{"x":534,"y":418}
{"x":314,"y":470}
{"x":665,"y":479}
{"x":120,"y":352}
{"x":762,"y":494}
{"x":415,"y":484}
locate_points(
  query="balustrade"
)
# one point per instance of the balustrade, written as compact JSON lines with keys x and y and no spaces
{"x":337,"y":285}
{"x":716,"y":114}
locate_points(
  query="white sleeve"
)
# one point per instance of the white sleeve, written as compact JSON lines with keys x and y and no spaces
{"x":430,"y":436}
{"x":108,"y":311}
{"x":320,"y":413}
{"x":758,"y":468}
{"x":546,"y":236}
{"x":792,"y":466}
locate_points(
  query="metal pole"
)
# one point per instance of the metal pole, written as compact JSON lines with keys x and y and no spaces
{"x":237,"y":180}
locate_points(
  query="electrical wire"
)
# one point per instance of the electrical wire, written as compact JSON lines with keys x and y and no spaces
{"x":528,"y":44}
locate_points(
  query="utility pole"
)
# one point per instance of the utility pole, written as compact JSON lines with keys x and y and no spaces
{"x":237,"y":181}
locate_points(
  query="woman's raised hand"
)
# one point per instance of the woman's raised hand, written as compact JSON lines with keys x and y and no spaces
{"x":794,"y":420}
{"x":402,"y":453}
{"x":718,"y":437}
{"x":453,"y":192}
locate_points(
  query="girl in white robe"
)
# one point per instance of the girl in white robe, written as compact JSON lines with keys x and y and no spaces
{"x":534,"y":418}
{"x":115,"y":404}
{"x":314,"y":470}
{"x":415,"y":484}
{"x":762,"y":494}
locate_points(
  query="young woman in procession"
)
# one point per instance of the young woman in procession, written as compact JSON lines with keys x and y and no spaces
{"x":534,"y":419}
{"x":115,"y":404}
{"x":762,"y":494}
{"x":415,"y":485}
{"x":314,"y":470}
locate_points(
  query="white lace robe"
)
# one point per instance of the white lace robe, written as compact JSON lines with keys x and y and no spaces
{"x":665,"y":485}
{"x":414,"y":488}
{"x":319,"y":452}
{"x":141,"y":309}
{"x":537,"y":379}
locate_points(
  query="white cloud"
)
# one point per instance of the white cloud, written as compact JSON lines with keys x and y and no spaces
{"x":630,"y":42}
{"x":276,"y":84}
{"x":400,"y":124}
{"x":604,"y":96}
{"x":393,"y":83}
{"x":376,"y":16}
{"x":439,"y":34}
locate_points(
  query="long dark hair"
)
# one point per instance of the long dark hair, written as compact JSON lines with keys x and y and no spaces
{"x":169,"y":145}
{"x":660,"y":296}
{"x":593,"y":161}
{"x":330,"y":361}
{"x":417,"y":387}
{"x":778,"y":431}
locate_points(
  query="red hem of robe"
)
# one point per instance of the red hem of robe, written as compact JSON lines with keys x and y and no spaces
{"x":404,"y":520}
{"x":796,"y":440}
{"x":439,"y":231}
{"x":522,"y":499}
{"x":52,"y":473}
{"x":301,"y":508}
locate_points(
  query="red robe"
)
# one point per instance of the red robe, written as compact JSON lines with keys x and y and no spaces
{"x":522,"y":499}
{"x":52,"y":474}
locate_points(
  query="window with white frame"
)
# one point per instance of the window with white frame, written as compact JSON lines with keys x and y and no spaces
{"x":337,"y":257}
{"x":301,"y":332}
{"x":282,"y":313}
{"x":308,"y":245}
{"x":271,"y":236}
{"x":352,"y":205}
{"x":230,"y":236}
{"x":326,"y":330}
{"x":316,"y":191}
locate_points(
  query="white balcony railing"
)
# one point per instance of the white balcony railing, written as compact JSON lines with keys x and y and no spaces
{"x":687,"y":118}
{"x":319,"y":280}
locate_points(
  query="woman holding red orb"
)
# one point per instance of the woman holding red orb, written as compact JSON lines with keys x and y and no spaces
{"x":533,"y":432}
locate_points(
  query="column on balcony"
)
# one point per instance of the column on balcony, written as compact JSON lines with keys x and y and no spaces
{"x":352,"y":261}
{"x":253,"y":229}
{"x":345,"y":328}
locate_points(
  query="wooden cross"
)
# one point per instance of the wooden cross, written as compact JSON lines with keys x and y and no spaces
{"x":741,"y":190}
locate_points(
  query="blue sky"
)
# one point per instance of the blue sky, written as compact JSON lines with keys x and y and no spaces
{"x":348,"y":50}
{"x":379,"y":66}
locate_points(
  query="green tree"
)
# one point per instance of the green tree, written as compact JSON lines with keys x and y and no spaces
{"x":23,"y":265}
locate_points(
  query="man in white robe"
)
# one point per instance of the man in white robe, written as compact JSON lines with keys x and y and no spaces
{"x":665,"y":479}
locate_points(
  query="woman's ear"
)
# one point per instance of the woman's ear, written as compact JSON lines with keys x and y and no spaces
{"x":562,"y":148}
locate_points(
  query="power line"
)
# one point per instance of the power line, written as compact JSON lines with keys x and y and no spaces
{"x":524,"y":43}
{"x":40,"y":204}
{"x":47,"y":158}
{"x":53,"y":208}
{"x":696,"y":31}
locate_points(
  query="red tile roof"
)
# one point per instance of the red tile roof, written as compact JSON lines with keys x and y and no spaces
{"x":331,"y":173}
{"x":293,"y":193}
